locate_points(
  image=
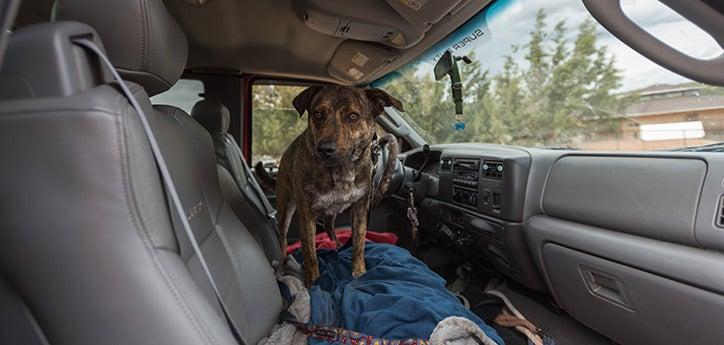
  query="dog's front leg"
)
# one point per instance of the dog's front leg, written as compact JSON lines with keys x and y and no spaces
{"x":308,"y":229}
{"x":329,"y":228}
{"x":359,"y":229}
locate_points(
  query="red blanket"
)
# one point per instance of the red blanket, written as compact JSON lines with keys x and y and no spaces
{"x":322,"y":240}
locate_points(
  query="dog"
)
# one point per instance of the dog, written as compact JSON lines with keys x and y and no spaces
{"x":328,"y":168}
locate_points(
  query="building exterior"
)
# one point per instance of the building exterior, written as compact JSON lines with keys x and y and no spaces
{"x":664,"y":117}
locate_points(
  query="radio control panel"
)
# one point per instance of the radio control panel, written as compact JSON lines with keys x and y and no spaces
{"x":489,"y":185}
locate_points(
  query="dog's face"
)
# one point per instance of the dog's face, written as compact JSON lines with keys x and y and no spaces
{"x":341,"y":120}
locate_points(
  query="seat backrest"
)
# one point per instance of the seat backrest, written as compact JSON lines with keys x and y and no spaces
{"x":88,"y":240}
{"x":237,"y":183}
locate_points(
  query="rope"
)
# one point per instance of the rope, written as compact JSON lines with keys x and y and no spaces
{"x":505,"y":319}
{"x":514,"y":318}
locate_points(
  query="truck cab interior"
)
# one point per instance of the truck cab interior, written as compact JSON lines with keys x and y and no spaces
{"x":574,"y":167}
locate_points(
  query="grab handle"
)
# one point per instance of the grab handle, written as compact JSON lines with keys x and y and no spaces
{"x":607,"y":287}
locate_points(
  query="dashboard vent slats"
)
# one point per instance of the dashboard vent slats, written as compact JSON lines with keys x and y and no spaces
{"x":493,"y":169}
{"x":446,"y":164}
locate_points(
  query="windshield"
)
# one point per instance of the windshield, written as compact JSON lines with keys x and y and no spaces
{"x":545,"y":74}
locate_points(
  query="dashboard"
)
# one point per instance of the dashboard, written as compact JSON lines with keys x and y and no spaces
{"x":615,"y":238}
{"x":485,"y":201}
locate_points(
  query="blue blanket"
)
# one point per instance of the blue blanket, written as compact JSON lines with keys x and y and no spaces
{"x":398,"y":297}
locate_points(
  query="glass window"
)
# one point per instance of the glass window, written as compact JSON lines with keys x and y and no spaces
{"x":184,"y":94}
{"x":671,"y":28}
{"x":546,"y":74}
{"x":275,"y":122}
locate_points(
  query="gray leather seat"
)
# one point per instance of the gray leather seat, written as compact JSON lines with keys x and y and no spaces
{"x":238,"y":185}
{"x":88,"y":240}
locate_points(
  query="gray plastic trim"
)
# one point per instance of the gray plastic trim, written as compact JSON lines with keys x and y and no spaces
{"x":355,"y":60}
{"x":692,"y":266}
{"x":654,"y":197}
{"x":631,"y":306}
{"x":62,"y":69}
{"x":8,"y":11}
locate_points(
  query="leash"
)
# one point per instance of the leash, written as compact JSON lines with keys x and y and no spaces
{"x":412,"y":212}
{"x":375,"y":153}
{"x":534,"y":334}
{"x":336,"y":335}
{"x":382,"y":182}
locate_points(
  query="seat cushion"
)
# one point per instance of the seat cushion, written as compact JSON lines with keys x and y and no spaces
{"x":398,"y":298}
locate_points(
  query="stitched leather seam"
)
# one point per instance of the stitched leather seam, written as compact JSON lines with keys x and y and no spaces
{"x":144,"y":33}
{"x":149,"y":37}
{"x":59,"y":9}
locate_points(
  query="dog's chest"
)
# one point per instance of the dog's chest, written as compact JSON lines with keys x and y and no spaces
{"x":333,"y":199}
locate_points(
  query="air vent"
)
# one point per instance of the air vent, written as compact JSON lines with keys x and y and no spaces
{"x":446,"y":164}
{"x":720,"y":213}
{"x":493,"y":169}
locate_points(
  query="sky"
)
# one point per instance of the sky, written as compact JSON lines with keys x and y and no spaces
{"x":509,"y":22}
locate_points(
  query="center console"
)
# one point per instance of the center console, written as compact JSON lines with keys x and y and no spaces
{"x":491,"y":185}
{"x":479,"y":203}
{"x":472,"y":201}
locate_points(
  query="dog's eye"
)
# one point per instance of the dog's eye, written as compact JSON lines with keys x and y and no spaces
{"x":352,"y":117}
{"x":318,"y":115}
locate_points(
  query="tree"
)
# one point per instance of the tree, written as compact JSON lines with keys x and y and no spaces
{"x":275,"y":123}
{"x":547,"y":99}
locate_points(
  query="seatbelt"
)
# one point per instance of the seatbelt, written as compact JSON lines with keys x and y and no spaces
{"x":268,"y":209}
{"x":165,"y":174}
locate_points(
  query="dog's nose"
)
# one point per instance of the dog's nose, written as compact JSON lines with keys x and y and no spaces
{"x":326,"y":148}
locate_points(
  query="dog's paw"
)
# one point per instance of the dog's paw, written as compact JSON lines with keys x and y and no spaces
{"x":358,"y":272}
{"x":310,"y":275}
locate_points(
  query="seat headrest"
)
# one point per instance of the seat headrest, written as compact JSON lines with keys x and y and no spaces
{"x":211,"y":114}
{"x":141,"y":38}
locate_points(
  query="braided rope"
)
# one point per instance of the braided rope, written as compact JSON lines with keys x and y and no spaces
{"x":506,"y":319}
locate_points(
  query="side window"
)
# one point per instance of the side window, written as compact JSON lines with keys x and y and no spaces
{"x":275,"y":123}
{"x":184,"y":94}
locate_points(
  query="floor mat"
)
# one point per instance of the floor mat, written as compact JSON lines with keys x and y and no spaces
{"x":561,"y":327}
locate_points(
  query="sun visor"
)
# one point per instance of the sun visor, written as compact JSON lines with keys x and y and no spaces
{"x":355,"y":61}
{"x":371,"y":21}
{"x":424,"y":13}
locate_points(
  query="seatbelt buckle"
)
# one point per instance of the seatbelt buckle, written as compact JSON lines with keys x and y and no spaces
{"x":272,"y":215}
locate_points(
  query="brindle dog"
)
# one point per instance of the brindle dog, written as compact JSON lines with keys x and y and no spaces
{"x":328,"y":168}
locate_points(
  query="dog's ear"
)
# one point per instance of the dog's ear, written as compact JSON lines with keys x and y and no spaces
{"x":301,"y":102}
{"x":380,"y":99}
